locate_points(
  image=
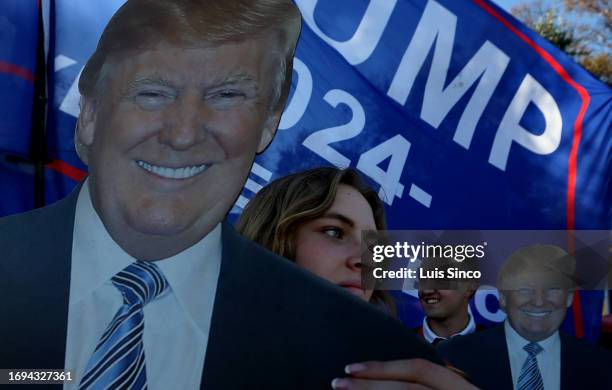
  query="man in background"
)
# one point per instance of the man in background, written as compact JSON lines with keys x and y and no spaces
{"x":447,"y":311}
{"x":446,"y":301}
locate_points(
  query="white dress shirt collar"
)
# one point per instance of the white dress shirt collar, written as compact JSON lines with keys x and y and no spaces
{"x":517,"y":341}
{"x":430,"y":335}
{"x":97,"y":258}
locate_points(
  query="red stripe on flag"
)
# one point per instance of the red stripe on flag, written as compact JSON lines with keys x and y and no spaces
{"x":582,"y":92}
{"x":573,"y":157}
{"x":67,"y":170}
{"x":577,"y":311}
{"x":7,"y":67}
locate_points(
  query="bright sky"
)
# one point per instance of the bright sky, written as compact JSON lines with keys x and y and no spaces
{"x":508,"y":4}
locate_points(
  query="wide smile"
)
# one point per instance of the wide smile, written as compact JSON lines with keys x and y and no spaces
{"x":430,"y":300}
{"x":180,"y":173}
{"x":536,"y":314}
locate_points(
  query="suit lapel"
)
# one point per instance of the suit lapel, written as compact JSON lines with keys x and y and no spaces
{"x":252,"y":293}
{"x":487,"y":359}
{"x":227,"y":325}
{"x":566,"y":363}
{"x":61,"y":260}
{"x":505,"y":373}
{"x":495,"y":364}
{"x":40,"y":294}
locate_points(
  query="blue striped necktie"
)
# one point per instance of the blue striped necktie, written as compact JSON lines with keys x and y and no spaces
{"x":530,"y":377}
{"x":118,"y":361}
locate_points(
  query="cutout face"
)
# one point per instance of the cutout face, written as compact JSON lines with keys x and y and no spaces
{"x":172,"y":139}
{"x":536,"y":303}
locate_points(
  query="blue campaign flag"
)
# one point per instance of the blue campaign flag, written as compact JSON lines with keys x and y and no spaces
{"x":459,"y":115}
{"x":76,"y":29}
{"x":18,"y":48}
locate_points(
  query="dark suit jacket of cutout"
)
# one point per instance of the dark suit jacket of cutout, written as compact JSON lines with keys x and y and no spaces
{"x":483,"y":356}
{"x":274,"y":325}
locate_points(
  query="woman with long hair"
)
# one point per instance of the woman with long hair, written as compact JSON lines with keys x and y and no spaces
{"x":315,"y":218}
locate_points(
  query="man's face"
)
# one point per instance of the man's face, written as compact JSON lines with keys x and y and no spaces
{"x":172,"y":139}
{"x":443,"y":304}
{"x":536,"y":303}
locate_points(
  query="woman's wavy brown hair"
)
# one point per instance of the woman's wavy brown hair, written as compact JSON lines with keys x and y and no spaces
{"x":274,"y":215}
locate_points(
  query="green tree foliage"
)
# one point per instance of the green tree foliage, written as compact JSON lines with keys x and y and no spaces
{"x":581,"y":28}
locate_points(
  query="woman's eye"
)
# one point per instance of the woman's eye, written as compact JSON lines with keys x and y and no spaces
{"x":333,"y":232}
